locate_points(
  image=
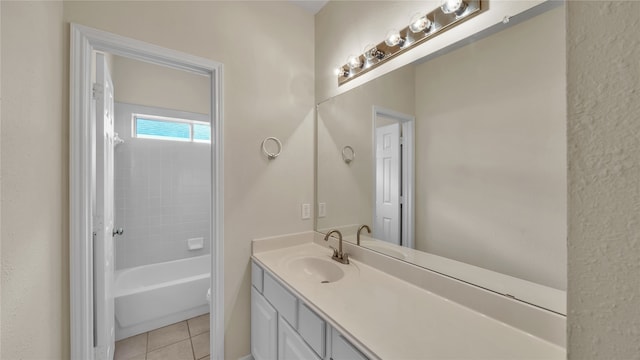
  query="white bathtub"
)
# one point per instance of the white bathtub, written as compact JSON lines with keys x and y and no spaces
{"x":151,"y":296}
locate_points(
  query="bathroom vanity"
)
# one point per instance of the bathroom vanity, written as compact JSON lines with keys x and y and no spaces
{"x":283,"y":326}
{"x":304,"y":305}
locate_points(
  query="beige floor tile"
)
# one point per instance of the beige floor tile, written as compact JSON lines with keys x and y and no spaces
{"x":131,"y":347}
{"x":178,"y":351}
{"x":200,"y":345}
{"x":167,"y":335}
{"x":198,"y":325}
{"x":140,"y":357}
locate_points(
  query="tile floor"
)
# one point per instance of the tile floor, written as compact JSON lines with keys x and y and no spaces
{"x":187,"y":339}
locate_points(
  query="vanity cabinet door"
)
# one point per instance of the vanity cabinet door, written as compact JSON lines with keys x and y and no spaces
{"x":341,"y":349}
{"x":290,"y":344}
{"x":312,"y":329}
{"x":264,"y":328}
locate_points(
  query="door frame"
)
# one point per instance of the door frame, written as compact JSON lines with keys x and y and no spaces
{"x":84,"y":40}
{"x":408,"y":172}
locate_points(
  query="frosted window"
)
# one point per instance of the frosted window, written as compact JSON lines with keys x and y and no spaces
{"x":155,"y":129}
{"x":201,"y":132}
{"x":171,"y":129}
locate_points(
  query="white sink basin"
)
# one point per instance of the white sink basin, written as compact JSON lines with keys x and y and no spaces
{"x":316,"y":269}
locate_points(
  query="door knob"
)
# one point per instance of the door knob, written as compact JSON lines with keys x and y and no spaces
{"x":118,"y":231}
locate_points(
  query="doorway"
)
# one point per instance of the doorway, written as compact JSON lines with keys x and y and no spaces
{"x":393,"y":149}
{"x":92,"y":142}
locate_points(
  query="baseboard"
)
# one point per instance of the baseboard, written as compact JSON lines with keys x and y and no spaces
{"x":248,"y":357}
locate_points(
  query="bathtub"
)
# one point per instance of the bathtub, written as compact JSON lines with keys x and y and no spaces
{"x":152,"y":296}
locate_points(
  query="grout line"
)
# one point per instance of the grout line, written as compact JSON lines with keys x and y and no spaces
{"x":188,"y":332}
{"x":193,"y":351}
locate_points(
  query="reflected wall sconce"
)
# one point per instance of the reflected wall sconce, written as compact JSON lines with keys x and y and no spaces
{"x":423,"y":26}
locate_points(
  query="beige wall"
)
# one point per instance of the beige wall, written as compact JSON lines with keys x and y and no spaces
{"x":35,"y":305}
{"x":603,"y":128}
{"x":142,"y":83}
{"x":268,"y":91}
{"x":347,"y":189}
{"x":603,"y":89}
{"x":491,"y":162}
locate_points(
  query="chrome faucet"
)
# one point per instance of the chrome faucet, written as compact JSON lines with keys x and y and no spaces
{"x":359,"y":230}
{"x":338,"y":255}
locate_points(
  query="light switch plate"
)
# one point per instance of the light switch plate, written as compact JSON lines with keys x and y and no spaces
{"x":322,"y":210}
{"x":306,"y":211}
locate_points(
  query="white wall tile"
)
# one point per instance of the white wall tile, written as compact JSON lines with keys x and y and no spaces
{"x":162,"y":197}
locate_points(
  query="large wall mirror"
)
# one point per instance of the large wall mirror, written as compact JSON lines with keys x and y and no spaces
{"x":457,"y":162}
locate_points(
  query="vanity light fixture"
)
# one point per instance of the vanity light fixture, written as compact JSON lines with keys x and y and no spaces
{"x":422,"y":27}
{"x":453,"y":7}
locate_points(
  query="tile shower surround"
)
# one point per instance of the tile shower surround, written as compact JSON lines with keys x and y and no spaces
{"x":162,"y":194}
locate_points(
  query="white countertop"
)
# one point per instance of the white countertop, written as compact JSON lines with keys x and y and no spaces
{"x":394,"y":319}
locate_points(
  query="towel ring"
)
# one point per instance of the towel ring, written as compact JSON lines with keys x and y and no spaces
{"x":270,"y":154}
{"x":348,"y":154}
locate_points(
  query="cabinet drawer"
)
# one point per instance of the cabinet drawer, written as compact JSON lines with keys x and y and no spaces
{"x":281,"y":299}
{"x":312,"y":329}
{"x":256,"y":276}
{"x":341,"y":349}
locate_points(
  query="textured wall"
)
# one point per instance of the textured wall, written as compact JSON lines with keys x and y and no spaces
{"x":603,"y":52}
{"x":35,"y":286}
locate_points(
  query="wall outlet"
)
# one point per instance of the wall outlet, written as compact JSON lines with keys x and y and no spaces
{"x":322,"y":210}
{"x":306,"y":211}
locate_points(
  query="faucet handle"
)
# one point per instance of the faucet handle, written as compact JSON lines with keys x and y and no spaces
{"x":335,"y":251}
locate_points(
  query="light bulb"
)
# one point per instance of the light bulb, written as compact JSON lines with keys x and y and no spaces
{"x":340,"y":71}
{"x":419,"y":22}
{"x":354,"y":62}
{"x":371,"y":53}
{"x":453,"y":6}
{"x":393,"y":38}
